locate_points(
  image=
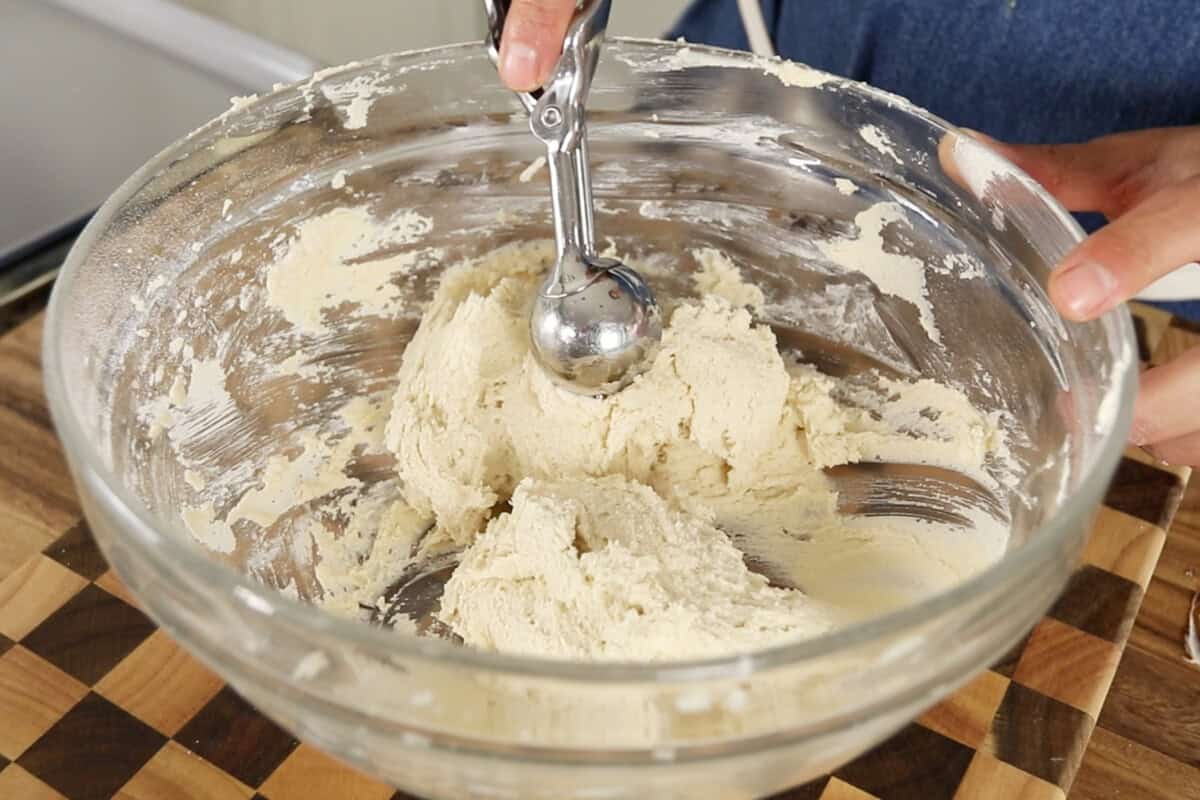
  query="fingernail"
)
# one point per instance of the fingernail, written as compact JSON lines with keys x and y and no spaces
{"x":1086,"y":289}
{"x":519,"y":66}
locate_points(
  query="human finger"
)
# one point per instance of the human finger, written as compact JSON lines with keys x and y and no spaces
{"x":1166,"y":403}
{"x":1116,"y":262}
{"x":532,"y":41}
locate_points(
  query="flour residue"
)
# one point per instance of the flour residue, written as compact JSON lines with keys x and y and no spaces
{"x":533,"y":169}
{"x":964,"y":266}
{"x":789,"y":73}
{"x":894,"y":274}
{"x":337,"y":259}
{"x":209,"y":531}
{"x":237,"y":104}
{"x":356,"y":97}
{"x":879,"y":140}
{"x":291,"y":481}
{"x":983,"y":171}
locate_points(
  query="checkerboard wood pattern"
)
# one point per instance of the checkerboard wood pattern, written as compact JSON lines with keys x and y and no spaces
{"x":95,"y":702}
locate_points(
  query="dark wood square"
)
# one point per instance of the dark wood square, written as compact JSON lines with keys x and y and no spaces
{"x":1149,"y":690}
{"x":1039,"y":735}
{"x":4,"y":762}
{"x":77,"y":550}
{"x":809,"y":791}
{"x":5,"y":644}
{"x":1145,"y":492}
{"x":915,"y":764}
{"x":1189,"y":325}
{"x":1100,"y":603}
{"x":90,"y":634}
{"x":92,"y":751}
{"x":230,"y":733}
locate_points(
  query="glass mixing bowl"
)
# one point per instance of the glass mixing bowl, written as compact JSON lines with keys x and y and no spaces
{"x":691,"y":147}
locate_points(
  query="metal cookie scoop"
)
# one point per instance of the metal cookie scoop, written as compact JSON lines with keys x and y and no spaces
{"x":595,"y":323}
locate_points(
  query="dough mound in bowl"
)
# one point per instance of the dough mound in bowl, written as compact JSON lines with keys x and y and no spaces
{"x":603,"y":568}
{"x":626,"y":527}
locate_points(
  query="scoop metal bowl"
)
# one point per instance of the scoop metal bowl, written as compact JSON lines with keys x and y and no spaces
{"x":594,"y":322}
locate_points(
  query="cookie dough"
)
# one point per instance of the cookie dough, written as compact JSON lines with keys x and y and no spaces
{"x":603,"y":568}
{"x":627,"y":527}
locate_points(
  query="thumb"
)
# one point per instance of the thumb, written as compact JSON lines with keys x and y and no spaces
{"x":532,"y":41}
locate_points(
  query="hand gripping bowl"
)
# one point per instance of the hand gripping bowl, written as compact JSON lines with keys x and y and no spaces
{"x":691,"y":146}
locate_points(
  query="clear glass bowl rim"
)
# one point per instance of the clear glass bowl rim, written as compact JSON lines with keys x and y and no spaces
{"x":177,"y":554}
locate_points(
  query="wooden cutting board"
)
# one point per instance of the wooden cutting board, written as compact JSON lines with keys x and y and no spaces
{"x":95,"y":702}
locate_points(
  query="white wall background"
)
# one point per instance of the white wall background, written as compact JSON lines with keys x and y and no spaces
{"x":334,"y":31}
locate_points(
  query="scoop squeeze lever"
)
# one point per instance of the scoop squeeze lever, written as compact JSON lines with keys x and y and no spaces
{"x":595,"y":323}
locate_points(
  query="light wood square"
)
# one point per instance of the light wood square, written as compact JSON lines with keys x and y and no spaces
{"x":1155,"y":322}
{"x":309,"y":774}
{"x":34,"y":591}
{"x":160,"y":684}
{"x":34,"y":695}
{"x":1071,"y":666}
{"x":966,"y":716}
{"x":178,"y":774}
{"x":18,"y":784}
{"x":840,"y":790}
{"x":1142,"y":457}
{"x":1124,"y":545}
{"x":988,"y":778}
{"x":37,"y":499}
{"x":1174,"y":342}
